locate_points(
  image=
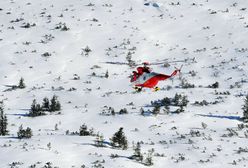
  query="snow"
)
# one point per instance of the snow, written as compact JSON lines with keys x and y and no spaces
{"x":213,"y":32}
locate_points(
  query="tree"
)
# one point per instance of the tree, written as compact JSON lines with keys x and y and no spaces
{"x":123,"y":111}
{"x":119,"y":140}
{"x":166,"y":109}
{"x":184,"y":101}
{"x":142,"y":111}
{"x":245,"y":110}
{"x":24,"y":133}
{"x":54,"y":104}
{"x":35,"y":109}
{"x":99,"y":140}
{"x":106,"y":74}
{"x":156,"y":109}
{"x":21,"y":84}
{"x":46,"y":104}
{"x":149,"y":160}
{"x":137,"y":152}
{"x":3,"y":122}
{"x":177,"y":99}
{"x":166,"y":101}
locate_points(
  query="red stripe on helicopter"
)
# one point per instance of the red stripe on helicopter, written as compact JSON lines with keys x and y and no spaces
{"x":154,"y":79}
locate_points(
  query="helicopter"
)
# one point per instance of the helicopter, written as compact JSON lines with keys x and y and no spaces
{"x":145,"y":78}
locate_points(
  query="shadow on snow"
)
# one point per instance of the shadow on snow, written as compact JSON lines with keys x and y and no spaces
{"x":221,"y":117}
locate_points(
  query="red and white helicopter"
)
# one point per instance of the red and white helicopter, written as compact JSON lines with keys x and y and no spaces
{"x":145,"y":78}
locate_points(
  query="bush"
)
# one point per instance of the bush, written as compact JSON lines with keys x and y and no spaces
{"x":123,"y":111}
{"x":214,"y":85}
{"x":83,"y":131}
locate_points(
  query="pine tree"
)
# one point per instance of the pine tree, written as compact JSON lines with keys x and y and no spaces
{"x":166,"y":109}
{"x":149,"y":160}
{"x":156,"y":110}
{"x":21,"y":84}
{"x":177,"y":99}
{"x":54,"y":104}
{"x":35,"y":110}
{"x":137,"y":152}
{"x":245,"y":110}
{"x":24,"y":133}
{"x":184,"y":101}
{"x":3,"y":122}
{"x":99,"y":140}
{"x":45,"y":104}
{"x":119,"y":140}
{"x":142,"y":111}
{"x":106,"y":74}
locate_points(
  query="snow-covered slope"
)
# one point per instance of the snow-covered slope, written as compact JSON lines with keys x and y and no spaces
{"x":44,"y":42}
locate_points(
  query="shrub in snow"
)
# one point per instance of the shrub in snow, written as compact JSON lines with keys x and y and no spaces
{"x":83,"y":131}
{"x":214,"y":85}
{"x":186,"y":85}
{"x":46,"y":54}
{"x":123,"y":111}
{"x":86,"y":51}
{"x":178,"y":100}
{"x":24,"y":133}
{"x":106,"y":74}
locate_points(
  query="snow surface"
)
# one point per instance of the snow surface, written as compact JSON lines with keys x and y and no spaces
{"x":214,"y":32}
